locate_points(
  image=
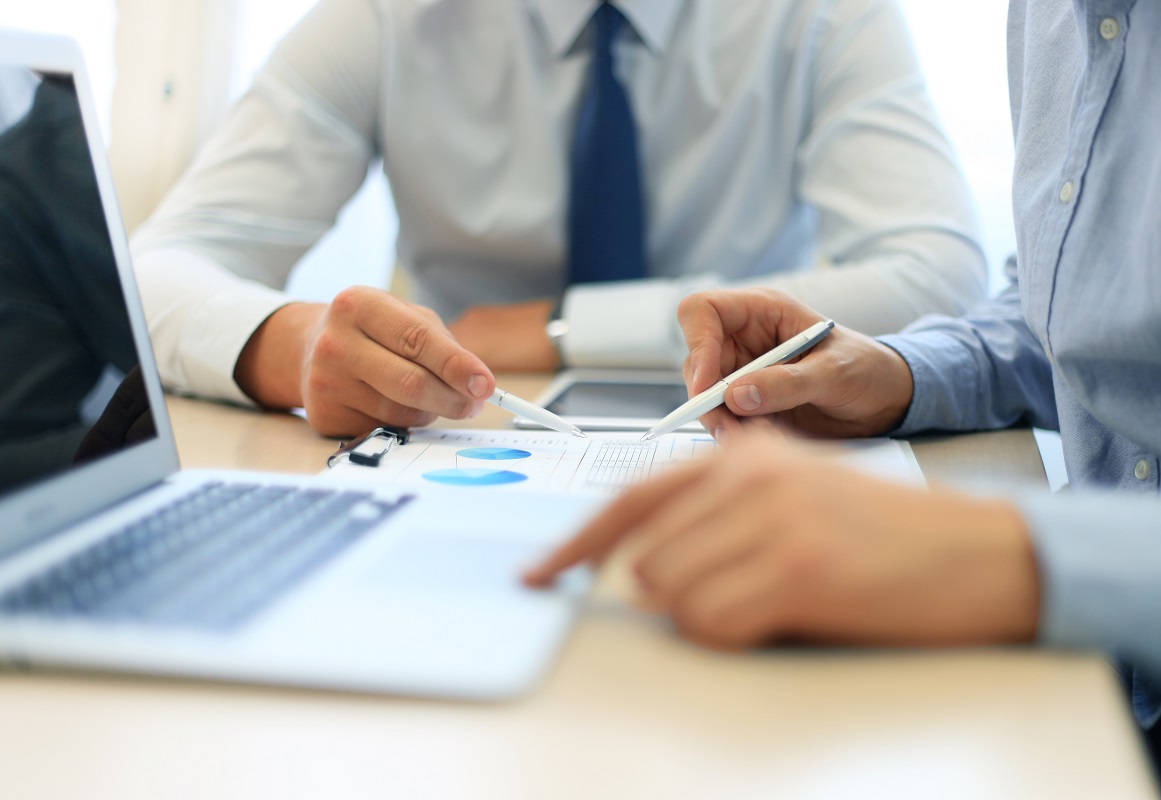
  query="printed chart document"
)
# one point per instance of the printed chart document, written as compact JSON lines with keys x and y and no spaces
{"x":515,"y":460}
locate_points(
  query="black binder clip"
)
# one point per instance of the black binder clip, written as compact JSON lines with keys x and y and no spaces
{"x":370,"y":448}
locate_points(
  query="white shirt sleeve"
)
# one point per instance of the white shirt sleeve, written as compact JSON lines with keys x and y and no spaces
{"x":214,"y":258}
{"x":627,"y":323}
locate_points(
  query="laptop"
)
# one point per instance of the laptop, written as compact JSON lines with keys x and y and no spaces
{"x":114,"y":559}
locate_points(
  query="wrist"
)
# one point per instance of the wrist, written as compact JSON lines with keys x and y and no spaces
{"x":993,"y":580}
{"x":898,"y":389}
{"x":1020,"y":592}
{"x":270,"y":367}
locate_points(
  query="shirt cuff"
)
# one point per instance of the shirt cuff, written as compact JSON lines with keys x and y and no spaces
{"x":213,"y":348}
{"x":931,"y":360}
{"x":627,"y":323}
{"x":200,"y":318}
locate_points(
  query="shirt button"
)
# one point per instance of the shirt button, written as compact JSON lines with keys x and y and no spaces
{"x":1066,"y":192}
{"x":1109,"y":28}
{"x":1142,"y":470}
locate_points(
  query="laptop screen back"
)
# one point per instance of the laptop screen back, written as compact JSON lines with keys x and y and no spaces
{"x":71,"y":389}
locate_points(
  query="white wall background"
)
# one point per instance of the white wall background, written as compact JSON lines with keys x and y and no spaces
{"x":960,"y":45}
{"x":963,"y":51}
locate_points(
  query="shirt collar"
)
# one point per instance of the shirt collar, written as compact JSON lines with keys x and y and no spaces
{"x":564,"y":20}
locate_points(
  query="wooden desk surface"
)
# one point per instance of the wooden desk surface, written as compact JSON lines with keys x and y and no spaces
{"x":629,"y":710}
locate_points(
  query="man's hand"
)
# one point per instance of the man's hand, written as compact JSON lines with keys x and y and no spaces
{"x":509,"y":338}
{"x":849,"y":385}
{"x":770,"y":541}
{"x":366,"y":359}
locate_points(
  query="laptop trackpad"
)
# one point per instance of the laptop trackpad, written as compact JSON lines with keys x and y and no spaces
{"x":455,"y":563}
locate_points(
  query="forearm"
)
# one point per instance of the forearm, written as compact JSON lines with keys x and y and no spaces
{"x":270,"y":367}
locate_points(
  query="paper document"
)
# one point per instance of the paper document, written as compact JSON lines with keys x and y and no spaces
{"x":512,"y":460}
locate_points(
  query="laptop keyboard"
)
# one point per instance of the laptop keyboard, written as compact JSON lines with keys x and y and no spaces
{"x":209,"y":560}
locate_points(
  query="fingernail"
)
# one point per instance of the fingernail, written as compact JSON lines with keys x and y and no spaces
{"x":748,"y":398}
{"x":720,"y":435}
{"x":478,"y":386}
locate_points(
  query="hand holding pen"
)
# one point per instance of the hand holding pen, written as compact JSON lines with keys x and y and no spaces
{"x":847,"y":385}
{"x":704,"y":402}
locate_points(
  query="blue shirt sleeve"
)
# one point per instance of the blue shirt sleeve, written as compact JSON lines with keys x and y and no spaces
{"x":1099,"y":557}
{"x":982,"y":371}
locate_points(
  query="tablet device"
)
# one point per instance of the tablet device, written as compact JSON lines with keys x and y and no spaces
{"x":613,"y":399}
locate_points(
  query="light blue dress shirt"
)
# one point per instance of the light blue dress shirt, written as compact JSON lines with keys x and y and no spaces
{"x":1077,"y":343}
{"x":789,"y":143}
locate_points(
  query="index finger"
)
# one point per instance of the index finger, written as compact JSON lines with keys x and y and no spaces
{"x":704,"y":333}
{"x":409,"y":334}
{"x":616,"y":521}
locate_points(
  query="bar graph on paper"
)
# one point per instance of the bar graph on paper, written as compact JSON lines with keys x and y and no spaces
{"x":516,"y":461}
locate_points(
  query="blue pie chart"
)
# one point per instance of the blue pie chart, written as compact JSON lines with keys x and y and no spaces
{"x":474,"y":477}
{"x":493,"y":453}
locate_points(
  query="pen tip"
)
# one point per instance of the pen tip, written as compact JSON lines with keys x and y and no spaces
{"x":648,"y":437}
{"x":579,"y":433}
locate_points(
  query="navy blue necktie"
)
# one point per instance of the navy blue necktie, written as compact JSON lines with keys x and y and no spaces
{"x":606,"y":215}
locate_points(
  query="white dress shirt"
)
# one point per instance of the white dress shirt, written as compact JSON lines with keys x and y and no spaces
{"x":784,"y":142}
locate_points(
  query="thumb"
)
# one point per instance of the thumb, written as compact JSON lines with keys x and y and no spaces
{"x":775,"y":389}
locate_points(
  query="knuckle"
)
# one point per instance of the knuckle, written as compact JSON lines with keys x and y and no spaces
{"x":414,"y":339}
{"x":411,"y":386}
{"x":432,"y":317}
{"x":775,"y":296}
{"x":349,"y":301}
{"x":320,"y":385}
{"x":319,"y":379}
{"x":329,"y":347}
{"x":689,"y":306}
{"x":794,"y":565}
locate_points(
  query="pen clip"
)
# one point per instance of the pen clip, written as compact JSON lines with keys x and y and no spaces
{"x":365,"y":450}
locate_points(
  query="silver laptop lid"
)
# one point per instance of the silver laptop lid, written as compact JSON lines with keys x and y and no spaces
{"x":82,"y":417}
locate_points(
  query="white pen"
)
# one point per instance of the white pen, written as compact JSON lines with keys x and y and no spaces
{"x":510,"y":402}
{"x":715,"y":395}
